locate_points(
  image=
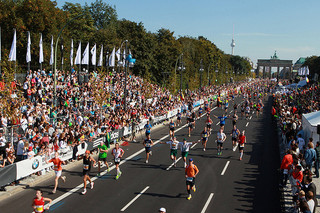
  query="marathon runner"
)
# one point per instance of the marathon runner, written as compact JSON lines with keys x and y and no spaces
{"x":221,"y":137}
{"x":226,"y":105}
{"x":200,"y":112}
{"x":147,"y":144}
{"x":173,"y":149}
{"x":209,"y":123}
{"x":39,"y":201}
{"x":103,"y":152}
{"x":190,"y":124}
{"x":222,"y":120}
{"x":117,"y":153}
{"x":235,"y":107}
{"x":204,"y":138}
{"x":87,"y":162}
{"x":57,"y":169}
{"x":234,"y":118}
{"x":191,"y":172}
{"x":179,"y":118}
{"x":172,"y":125}
{"x":242,"y":110}
{"x":235,"y":137}
{"x":148,"y":128}
{"x":185,"y":147}
{"x":247,"y":112}
{"x":242,"y":141}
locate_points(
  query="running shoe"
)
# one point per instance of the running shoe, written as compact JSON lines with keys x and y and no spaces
{"x":53,"y":191}
{"x":108,"y":170}
{"x":64,"y":178}
{"x":84,"y":192}
{"x":204,"y":149}
{"x":117,"y":177}
{"x":189,"y":197}
{"x":91,"y":185}
{"x":194,"y":188}
{"x":147,"y":161}
{"x":99,"y":174}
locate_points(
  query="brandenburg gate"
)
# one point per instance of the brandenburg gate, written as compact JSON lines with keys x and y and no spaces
{"x":267,"y":65}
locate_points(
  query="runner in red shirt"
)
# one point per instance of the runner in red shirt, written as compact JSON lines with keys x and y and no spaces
{"x":57,"y":169}
{"x":242,"y":141}
{"x":39,"y":201}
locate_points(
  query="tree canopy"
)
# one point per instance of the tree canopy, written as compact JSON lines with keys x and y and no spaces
{"x":156,"y":53}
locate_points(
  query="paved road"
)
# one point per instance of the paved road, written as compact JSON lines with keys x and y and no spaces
{"x":249,"y":185}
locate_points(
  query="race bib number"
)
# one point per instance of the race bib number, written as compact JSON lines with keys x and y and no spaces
{"x":86,"y":167}
{"x":39,"y":209}
{"x":117,"y":160}
{"x":190,"y":179}
{"x":148,"y":145}
{"x":241,"y":145}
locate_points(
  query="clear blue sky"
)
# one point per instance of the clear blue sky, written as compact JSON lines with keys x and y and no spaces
{"x":289,"y":26}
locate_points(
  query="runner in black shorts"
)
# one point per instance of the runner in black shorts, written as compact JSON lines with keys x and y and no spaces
{"x":190,"y":125}
{"x":147,"y":144}
{"x":172,"y":125}
{"x":179,"y":117}
{"x":87,"y":162}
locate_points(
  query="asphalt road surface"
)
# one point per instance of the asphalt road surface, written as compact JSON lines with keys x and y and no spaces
{"x":224,"y":184}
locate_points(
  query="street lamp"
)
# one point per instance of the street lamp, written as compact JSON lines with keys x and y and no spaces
{"x":216,"y":71}
{"x":128,"y":62}
{"x":181,"y":68}
{"x":201,"y":71}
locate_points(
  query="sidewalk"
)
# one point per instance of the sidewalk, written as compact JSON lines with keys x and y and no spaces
{"x":288,"y":205}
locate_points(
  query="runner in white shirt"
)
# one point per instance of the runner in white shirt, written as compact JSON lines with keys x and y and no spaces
{"x":185,"y":147}
{"x":117,"y":153}
{"x":173,"y":149}
{"x":221,"y":137}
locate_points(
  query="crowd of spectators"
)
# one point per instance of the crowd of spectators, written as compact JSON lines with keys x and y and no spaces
{"x":301,"y":161}
{"x":49,"y":122}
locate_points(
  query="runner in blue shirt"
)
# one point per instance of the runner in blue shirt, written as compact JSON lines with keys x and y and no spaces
{"x":222,"y":120}
{"x":148,"y":128}
{"x":179,"y":117}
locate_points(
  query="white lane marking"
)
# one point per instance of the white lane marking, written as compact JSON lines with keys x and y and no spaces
{"x":173,"y":163}
{"x":250,"y":117}
{"x":207,"y":203}
{"x":134,"y":199}
{"x":225,"y":168}
{"x":231,"y":111}
{"x":247,"y":124}
{"x":193,"y":145}
{"x":217,"y":124}
{"x":67,"y":194}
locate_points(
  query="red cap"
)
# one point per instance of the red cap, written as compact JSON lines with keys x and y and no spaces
{"x":87,"y":151}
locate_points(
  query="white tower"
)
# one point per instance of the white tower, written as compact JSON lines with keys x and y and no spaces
{"x":233,"y":43}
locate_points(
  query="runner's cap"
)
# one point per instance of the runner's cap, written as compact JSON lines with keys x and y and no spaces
{"x":162,"y":210}
{"x":87,"y":151}
{"x":190,"y":159}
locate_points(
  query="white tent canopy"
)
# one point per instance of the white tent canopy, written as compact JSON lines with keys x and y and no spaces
{"x":310,"y":122}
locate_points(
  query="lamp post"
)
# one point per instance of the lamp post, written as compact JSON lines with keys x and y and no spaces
{"x":181,"y":68}
{"x":217,"y":72}
{"x":201,"y":71}
{"x":126,"y":64}
{"x":209,"y":74}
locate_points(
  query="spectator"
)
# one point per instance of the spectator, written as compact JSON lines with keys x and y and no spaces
{"x":309,"y":186}
{"x":285,"y":166}
{"x":310,"y":201}
{"x":3,"y":142}
{"x":303,"y":205}
{"x":301,"y":143}
{"x":310,"y":155}
{"x":316,"y":165}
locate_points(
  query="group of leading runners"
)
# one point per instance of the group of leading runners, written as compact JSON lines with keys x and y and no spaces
{"x":191,"y":170}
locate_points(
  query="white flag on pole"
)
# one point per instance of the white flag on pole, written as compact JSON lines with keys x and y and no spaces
{"x":51,"y":54}
{"x":307,"y":70}
{"x":28,"y":56}
{"x":13,"y":50}
{"x":41,"y":50}
{"x":85,"y":56}
{"x":118,"y":54}
{"x":100,"y":57}
{"x":94,"y":54}
{"x":112,"y":58}
{"x":78,"y":56}
{"x":71,"y":53}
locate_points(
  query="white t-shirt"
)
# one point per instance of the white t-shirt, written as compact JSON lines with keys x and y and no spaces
{"x":117,"y":152}
{"x":220,"y":137}
{"x":185,"y":147}
{"x":173,"y":144}
{"x":311,"y":204}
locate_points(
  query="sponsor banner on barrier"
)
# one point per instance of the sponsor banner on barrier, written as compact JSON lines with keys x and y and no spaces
{"x":127,"y":131}
{"x":7,"y":174}
{"x":27,"y":167}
